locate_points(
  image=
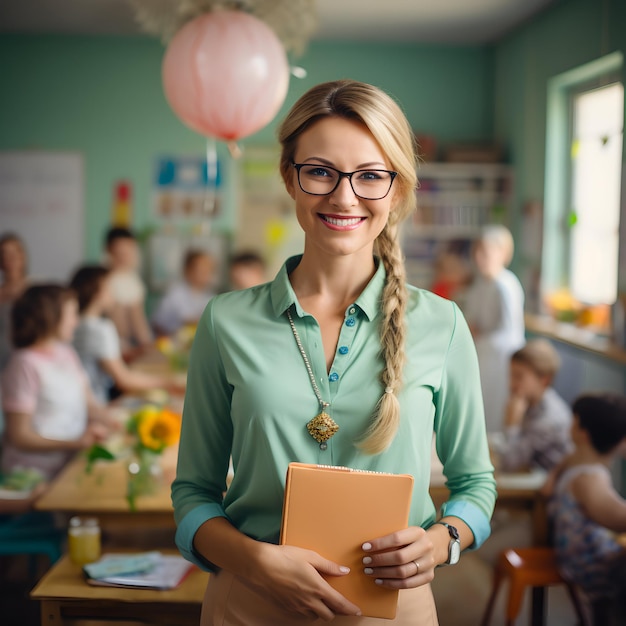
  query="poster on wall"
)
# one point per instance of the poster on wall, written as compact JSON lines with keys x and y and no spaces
{"x":186,"y":189}
{"x":42,"y":201}
{"x":187,"y":198}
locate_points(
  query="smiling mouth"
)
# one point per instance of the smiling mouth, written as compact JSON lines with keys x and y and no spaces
{"x":342,"y":221}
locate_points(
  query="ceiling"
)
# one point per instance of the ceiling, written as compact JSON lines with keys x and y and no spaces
{"x":429,"y":21}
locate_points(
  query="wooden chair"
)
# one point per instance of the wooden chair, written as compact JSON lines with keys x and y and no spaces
{"x":530,"y":567}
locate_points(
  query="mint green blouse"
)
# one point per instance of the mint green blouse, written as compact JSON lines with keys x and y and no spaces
{"x":249,"y":395}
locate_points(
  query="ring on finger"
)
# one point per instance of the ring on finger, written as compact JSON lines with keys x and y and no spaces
{"x":417,"y":567}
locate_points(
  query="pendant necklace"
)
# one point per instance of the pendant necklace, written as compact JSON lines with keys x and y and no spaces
{"x":322,"y":427}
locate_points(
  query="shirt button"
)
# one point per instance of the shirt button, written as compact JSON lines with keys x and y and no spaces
{"x":343,"y":350}
{"x":350,"y":321}
{"x":352,"y":310}
{"x":334,"y":377}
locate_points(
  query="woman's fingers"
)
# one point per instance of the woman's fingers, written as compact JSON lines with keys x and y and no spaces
{"x":294,"y":582}
{"x":400,"y":560}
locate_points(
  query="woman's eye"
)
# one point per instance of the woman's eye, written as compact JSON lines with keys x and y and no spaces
{"x":319,"y":171}
{"x":370,"y":175}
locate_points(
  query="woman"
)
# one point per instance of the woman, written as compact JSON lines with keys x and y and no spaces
{"x":338,"y":338}
{"x":14,"y":267}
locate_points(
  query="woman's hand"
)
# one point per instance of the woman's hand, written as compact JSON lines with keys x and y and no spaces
{"x":401,"y":560}
{"x":291,"y":578}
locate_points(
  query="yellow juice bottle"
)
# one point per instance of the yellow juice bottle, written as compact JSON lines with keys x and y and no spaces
{"x":84,"y":540}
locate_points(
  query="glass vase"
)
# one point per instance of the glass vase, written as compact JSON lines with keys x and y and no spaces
{"x":145,"y":476}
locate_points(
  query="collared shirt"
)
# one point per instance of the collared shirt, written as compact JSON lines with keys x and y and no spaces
{"x":249,"y":395}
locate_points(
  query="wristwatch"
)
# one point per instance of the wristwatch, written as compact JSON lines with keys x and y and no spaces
{"x":454,"y":547}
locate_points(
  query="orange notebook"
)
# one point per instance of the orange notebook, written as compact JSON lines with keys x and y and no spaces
{"x":334,"y":510}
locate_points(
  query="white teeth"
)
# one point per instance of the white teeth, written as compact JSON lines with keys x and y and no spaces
{"x":351,"y":221}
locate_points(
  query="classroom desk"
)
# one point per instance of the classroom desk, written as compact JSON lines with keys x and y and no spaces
{"x":515,"y":491}
{"x":65,"y":596}
{"x":103,"y":494}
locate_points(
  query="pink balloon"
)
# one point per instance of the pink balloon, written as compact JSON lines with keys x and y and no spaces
{"x":225,"y":74}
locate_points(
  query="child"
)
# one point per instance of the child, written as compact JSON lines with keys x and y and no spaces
{"x":97,"y":342}
{"x":586,"y":509}
{"x":184,"y":301}
{"x":49,"y":410}
{"x":494,"y":308}
{"x":537,"y":420}
{"x":247,"y":269}
{"x":129,"y":292}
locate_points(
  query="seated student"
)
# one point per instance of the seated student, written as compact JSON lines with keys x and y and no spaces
{"x":537,"y":420}
{"x":97,"y":342}
{"x":185,"y":300}
{"x":49,"y":410}
{"x":246,"y":269}
{"x":587,"y":511}
{"x":129,"y":292}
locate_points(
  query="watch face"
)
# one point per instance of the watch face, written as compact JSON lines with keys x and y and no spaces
{"x":455,"y":552}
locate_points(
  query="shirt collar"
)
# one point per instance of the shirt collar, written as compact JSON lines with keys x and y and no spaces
{"x":283,"y":295}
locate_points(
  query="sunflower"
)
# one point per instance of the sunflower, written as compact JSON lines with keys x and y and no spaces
{"x":158,"y":429}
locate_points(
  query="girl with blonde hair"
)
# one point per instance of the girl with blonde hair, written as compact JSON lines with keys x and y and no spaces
{"x":335,"y":362}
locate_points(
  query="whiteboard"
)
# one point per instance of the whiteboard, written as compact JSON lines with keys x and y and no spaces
{"x":42,"y":200}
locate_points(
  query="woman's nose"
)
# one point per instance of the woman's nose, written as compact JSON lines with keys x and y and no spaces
{"x":344,"y":192}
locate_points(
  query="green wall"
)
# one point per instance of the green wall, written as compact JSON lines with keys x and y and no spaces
{"x":102,"y":96}
{"x":569,"y":34}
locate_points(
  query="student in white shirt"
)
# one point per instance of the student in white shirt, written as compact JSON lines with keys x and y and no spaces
{"x":97,"y":342}
{"x":129,"y":293}
{"x":185,"y":300}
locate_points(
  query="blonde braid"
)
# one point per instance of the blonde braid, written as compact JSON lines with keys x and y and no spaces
{"x":392,"y":337}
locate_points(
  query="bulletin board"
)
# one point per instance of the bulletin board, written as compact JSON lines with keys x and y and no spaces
{"x":42,"y":201}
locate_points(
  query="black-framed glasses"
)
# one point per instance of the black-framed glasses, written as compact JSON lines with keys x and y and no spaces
{"x":321,"y":180}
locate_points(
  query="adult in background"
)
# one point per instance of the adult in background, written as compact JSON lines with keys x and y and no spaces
{"x":494,"y":309}
{"x":337,"y":339}
{"x":14,"y":268}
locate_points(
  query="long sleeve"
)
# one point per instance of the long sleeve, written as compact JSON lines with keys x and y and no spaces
{"x":461,"y":437}
{"x":206,"y":440}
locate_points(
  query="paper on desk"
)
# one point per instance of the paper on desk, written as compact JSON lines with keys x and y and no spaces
{"x":167,"y":572}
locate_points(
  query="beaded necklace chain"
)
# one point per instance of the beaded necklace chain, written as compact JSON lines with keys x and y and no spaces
{"x":322,"y":427}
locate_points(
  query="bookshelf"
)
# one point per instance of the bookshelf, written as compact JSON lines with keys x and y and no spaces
{"x":454,"y":200}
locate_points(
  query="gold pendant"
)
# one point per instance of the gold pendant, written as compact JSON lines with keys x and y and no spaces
{"x":322,"y":427}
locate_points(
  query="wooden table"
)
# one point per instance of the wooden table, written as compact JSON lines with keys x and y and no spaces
{"x":515,"y":491}
{"x":65,"y":596}
{"x":103,"y":494}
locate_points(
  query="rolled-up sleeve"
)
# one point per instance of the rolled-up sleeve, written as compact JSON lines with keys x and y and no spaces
{"x":206,"y":441}
{"x":461,"y":435}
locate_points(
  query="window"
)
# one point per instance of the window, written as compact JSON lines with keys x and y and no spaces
{"x":596,"y":151}
{"x":583,"y":178}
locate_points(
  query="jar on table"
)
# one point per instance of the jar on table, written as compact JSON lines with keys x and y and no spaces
{"x":84,"y":540}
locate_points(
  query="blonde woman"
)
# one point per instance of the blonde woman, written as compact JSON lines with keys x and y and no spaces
{"x":337,"y":332}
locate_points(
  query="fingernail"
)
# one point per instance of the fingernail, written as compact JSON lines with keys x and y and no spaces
{"x":379,"y":581}
{"x":367,"y":560}
{"x":367,"y":546}
{"x":358,"y":613}
{"x":368,"y":570}
{"x":344,"y":570}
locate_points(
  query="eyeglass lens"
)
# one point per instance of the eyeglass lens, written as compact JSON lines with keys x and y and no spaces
{"x":367,"y":184}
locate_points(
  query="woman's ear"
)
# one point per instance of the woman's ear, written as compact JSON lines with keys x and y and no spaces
{"x":290,"y":187}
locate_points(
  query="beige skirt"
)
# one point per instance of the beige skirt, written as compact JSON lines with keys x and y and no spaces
{"x":228,"y":602}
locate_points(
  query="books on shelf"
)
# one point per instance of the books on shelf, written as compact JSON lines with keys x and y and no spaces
{"x":149,"y":570}
{"x":333,"y":511}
